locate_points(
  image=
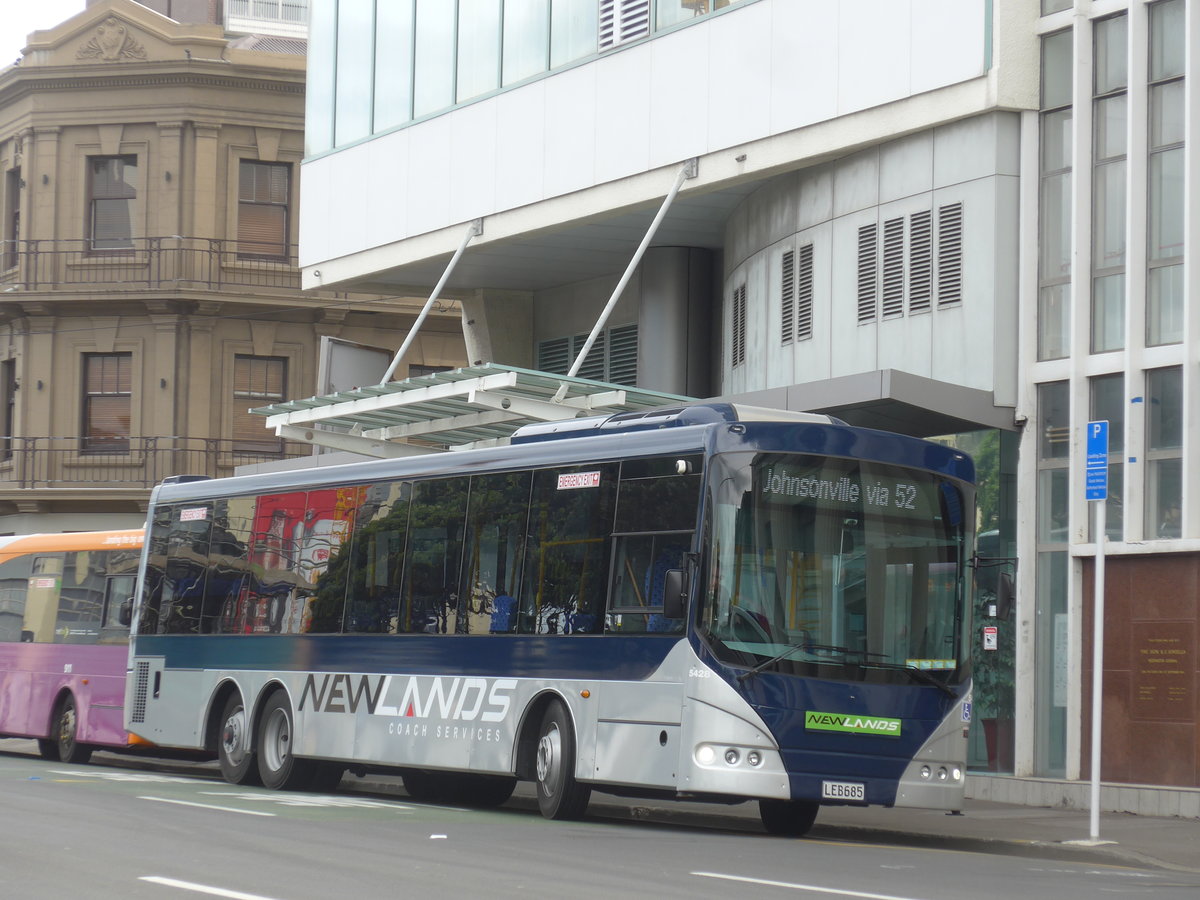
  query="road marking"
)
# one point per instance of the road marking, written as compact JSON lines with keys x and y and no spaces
{"x":201,"y":888}
{"x":245,"y":812}
{"x":813,"y":888}
{"x":318,"y":800}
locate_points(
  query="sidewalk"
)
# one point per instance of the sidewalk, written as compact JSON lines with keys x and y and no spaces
{"x":984,"y":826}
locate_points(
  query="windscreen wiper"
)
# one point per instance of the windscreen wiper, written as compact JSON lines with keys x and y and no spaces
{"x":917,"y":675}
{"x":792,"y":648}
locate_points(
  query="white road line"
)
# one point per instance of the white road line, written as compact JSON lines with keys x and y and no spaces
{"x":812,"y":888}
{"x":201,"y":888}
{"x":245,"y":812}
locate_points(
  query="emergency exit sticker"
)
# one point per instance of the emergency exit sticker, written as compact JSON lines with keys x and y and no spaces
{"x":573,"y":480}
{"x":990,"y":634}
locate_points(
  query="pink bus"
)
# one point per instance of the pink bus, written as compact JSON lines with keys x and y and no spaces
{"x":64,"y":639}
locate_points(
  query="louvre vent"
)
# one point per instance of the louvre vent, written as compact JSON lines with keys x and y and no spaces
{"x":893,"y":268}
{"x":920,"y":261}
{"x":787,"y":298}
{"x":141,"y":690}
{"x":555,"y":356}
{"x":804,"y":294}
{"x":949,"y":254}
{"x":868,"y":270}
{"x":622,"y":21}
{"x":593,"y":363}
{"x":739,"y":325}
{"x":623,"y":355}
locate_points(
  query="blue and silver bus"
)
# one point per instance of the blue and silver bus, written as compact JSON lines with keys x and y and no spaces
{"x":711,"y":602}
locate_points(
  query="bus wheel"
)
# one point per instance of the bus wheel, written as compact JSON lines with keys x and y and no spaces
{"x":278,"y":768}
{"x":792,"y":818}
{"x":66,"y":730}
{"x":235,"y":747}
{"x":326,"y":776}
{"x":48,"y":749}
{"x":427,"y":787}
{"x":559,"y":795}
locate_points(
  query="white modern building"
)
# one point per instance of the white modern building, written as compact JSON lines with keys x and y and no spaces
{"x":966,"y":218}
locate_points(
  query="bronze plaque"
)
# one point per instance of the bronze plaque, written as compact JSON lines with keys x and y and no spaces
{"x":1164,"y":671}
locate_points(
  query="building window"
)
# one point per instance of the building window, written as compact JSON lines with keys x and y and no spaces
{"x":1165,"y":194}
{"x":12,"y":216}
{"x":107,"y":402}
{"x":263,"y":191}
{"x":112,"y":201}
{"x":1108,"y":405}
{"x":1109,"y":118}
{"x":1164,"y":452}
{"x":8,"y":384}
{"x":1054,"y":201}
{"x":257,"y":381}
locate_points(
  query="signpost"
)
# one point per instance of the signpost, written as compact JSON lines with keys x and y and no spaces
{"x":1096,"y":492}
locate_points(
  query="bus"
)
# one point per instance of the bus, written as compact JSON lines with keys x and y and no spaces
{"x":65,"y":608}
{"x":710,"y":602}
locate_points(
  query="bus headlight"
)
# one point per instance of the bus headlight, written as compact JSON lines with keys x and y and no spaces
{"x":705,"y":755}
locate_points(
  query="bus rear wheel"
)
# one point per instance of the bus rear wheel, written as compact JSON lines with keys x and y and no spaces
{"x":279,"y":769}
{"x":65,"y":734}
{"x":792,"y":818}
{"x":559,"y":795}
{"x":235,"y":746}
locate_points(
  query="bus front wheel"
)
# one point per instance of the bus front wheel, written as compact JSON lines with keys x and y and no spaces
{"x":792,"y":818}
{"x":279,"y":769}
{"x":235,"y":746}
{"x":66,"y":733}
{"x":559,"y":795}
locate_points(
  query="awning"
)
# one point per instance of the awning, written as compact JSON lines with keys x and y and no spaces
{"x":456,"y":410}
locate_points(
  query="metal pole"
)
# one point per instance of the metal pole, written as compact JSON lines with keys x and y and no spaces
{"x":1097,"y":665}
{"x":686,"y":171}
{"x":475,"y":228}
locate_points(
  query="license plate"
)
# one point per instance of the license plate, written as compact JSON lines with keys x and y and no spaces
{"x":843,"y":790}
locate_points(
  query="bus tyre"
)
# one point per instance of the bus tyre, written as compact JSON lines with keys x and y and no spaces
{"x":559,"y":795}
{"x":792,"y":818}
{"x":66,"y":730}
{"x":235,"y":744}
{"x":278,"y":768}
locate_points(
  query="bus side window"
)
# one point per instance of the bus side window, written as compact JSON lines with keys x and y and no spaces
{"x":42,"y":599}
{"x":186,"y":568}
{"x":498,"y":508}
{"x":360,"y":591}
{"x":156,"y":570}
{"x":81,"y":601}
{"x":118,"y":600}
{"x":432,"y":593}
{"x":14,"y":581}
{"x":229,"y":571}
{"x":567,"y":550}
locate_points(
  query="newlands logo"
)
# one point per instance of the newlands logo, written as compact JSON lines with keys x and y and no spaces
{"x":821,"y":721}
{"x":461,"y":699}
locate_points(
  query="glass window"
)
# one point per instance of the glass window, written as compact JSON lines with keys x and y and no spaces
{"x":1164,"y":316}
{"x":12,"y":218}
{"x":1053,"y":6}
{"x":257,"y":381}
{"x":659,"y":494}
{"x":1057,"y":56}
{"x":526,"y":38}
{"x":1111,"y":37}
{"x":640,"y":565}
{"x":1053,"y":506}
{"x":567,"y":550}
{"x":1051,"y":643}
{"x":1108,"y":213}
{"x":433,"y":597}
{"x":574,"y":30}
{"x":495,"y":544}
{"x":433,"y":75}
{"x":1054,"y":321}
{"x":1166,"y":114}
{"x":352,"y":105}
{"x":1055,"y":248}
{"x":1054,"y":420}
{"x":1108,"y":404}
{"x":1167,"y":31}
{"x":319,"y":83}
{"x":264,"y":190}
{"x":372,"y":591}
{"x":1164,"y":451}
{"x":107,"y":399}
{"x":478,"y":48}
{"x":1166,"y":204}
{"x":232,"y":580}
{"x":112,"y":198}
{"x":187,"y":540}
{"x":393,"y":63}
{"x":1108,"y":313}
{"x":319,"y":570}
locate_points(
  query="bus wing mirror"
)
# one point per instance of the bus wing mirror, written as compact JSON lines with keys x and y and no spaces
{"x":674,"y":594}
{"x":125,"y":613}
{"x":1005,"y":594}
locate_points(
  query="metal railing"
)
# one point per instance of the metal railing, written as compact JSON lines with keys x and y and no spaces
{"x":145,"y":263}
{"x":138,"y":462}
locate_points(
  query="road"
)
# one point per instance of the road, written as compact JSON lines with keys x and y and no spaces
{"x":161,"y":832}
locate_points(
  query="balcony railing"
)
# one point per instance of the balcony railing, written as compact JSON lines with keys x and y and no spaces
{"x":140,"y":462}
{"x":145,"y":264}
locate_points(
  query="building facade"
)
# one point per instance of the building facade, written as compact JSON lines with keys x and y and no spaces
{"x":969,"y":220}
{"x":149,"y":287}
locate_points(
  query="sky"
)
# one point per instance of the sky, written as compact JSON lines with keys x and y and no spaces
{"x":23,"y":16}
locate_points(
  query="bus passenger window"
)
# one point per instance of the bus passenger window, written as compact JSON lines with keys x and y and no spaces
{"x":496,"y":514}
{"x":432,"y":593}
{"x":373,"y":568}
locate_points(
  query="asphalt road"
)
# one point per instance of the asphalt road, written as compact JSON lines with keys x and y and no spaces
{"x":120,"y":832}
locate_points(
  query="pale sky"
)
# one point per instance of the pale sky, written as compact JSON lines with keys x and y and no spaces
{"x":19,"y":17}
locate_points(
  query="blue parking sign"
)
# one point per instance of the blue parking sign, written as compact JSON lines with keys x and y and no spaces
{"x":1096,"y":480}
